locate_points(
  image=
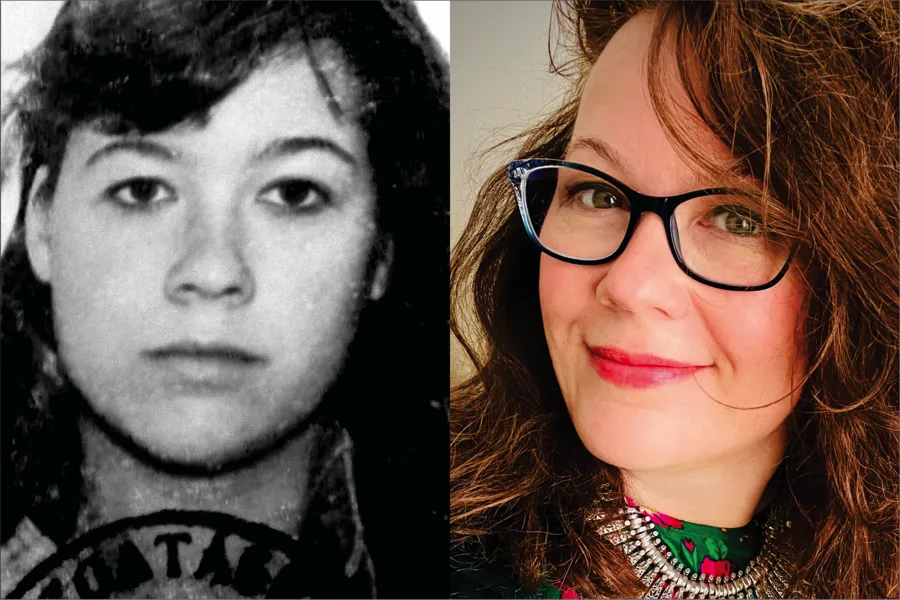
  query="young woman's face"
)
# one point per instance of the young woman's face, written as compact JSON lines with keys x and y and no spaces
{"x":745,"y":345}
{"x":206,"y":279}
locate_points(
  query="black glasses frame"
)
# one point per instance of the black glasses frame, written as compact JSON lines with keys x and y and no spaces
{"x":662,"y":206}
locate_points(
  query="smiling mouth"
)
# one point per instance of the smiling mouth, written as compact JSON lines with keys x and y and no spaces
{"x":205,"y":367}
{"x":637,"y":370}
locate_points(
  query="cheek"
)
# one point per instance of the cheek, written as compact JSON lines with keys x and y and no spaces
{"x":310,"y":287}
{"x":568,"y":310}
{"x":566,"y":294}
{"x":759,"y":337}
{"x":104,"y":279}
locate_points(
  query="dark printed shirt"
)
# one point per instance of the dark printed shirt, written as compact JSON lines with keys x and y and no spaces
{"x":197,"y":554}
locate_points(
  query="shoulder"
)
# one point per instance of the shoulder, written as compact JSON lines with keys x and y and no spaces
{"x":21,"y":553}
{"x":475,"y":577}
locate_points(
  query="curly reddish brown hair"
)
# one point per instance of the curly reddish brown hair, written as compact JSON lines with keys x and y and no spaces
{"x":806,"y":95}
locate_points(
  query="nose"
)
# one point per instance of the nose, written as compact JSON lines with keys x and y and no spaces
{"x":645,"y":277}
{"x":211,"y":266}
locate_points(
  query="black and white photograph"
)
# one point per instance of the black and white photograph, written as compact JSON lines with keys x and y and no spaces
{"x":224,"y":272}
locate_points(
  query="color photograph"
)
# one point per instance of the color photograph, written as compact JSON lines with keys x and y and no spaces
{"x":674,"y":300}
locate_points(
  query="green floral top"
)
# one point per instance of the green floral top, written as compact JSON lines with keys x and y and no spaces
{"x":707,"y":550}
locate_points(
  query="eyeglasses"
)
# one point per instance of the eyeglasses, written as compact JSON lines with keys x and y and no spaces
{"x":719,"y":237}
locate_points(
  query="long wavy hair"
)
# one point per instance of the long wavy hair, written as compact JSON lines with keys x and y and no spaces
{"x":153,"y":64}
{"x":806,"y":95}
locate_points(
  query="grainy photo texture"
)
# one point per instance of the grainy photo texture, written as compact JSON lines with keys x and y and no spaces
{"x":223,"y":303}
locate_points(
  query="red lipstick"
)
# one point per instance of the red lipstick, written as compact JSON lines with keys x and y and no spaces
{"x":626,"y":369}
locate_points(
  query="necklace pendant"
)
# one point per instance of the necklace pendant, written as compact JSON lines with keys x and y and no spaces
{"x":630,"y":546}
{"x":779,"y":587}
{"x":648,"y":579}
{"x":645,"y":571}
{"x":636,"y":557}
{"x":643,"y":566}
{"x":765,"y":577}
{"x":656,"y":590}
{"x":611,"y":527}
{"x":767,"y":589}
{"x":779,"y":580}
{"x":619,"y":537}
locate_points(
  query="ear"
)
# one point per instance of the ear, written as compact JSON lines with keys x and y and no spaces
{"x":384,"y":260}
{"x":38,"y":238}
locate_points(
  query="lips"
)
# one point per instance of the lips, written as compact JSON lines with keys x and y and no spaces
{"x":634,"y":370}
{"x":205,"y":366}
{"x":216,"y":351}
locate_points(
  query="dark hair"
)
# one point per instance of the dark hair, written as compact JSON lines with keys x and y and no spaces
{"x":151,"y":64}
{"x":806,"y":95}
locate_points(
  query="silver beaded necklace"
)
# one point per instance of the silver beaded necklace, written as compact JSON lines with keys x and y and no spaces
{"x":665,"y":576}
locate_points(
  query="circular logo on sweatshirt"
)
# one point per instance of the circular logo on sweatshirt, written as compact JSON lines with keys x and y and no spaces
{"x":172,"y":554}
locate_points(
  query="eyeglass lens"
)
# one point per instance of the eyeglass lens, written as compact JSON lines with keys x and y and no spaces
{"x":721,"y":238}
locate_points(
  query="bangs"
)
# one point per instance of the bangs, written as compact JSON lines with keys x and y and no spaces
{"x":152,"y":64}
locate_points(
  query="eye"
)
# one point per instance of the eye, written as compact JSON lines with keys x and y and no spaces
{"x":737,"y":220}
{"x":595,"y":197}
{"x":140,"y":192}
{"x":296,"y":194}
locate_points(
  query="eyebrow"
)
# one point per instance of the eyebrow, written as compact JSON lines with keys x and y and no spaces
{"x":734,"y":178}
{"x":602,"y":149}
{"x":139,"y":145}
{"x":277,"y":148}
{"x":294,"y":145}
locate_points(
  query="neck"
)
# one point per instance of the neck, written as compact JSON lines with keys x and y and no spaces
{"x":725,"y":492}
{"x":119,"y":485}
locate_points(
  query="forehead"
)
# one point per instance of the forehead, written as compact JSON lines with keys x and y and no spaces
{"x":616,"y":108}
{"x":284,"y":96}
{"x":332,"y":70}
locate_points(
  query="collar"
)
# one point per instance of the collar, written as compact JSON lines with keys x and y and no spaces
{"x":704,"y":549}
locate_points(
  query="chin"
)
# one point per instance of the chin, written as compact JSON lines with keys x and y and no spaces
{"x":201,"y":448}
{"x":631,"y":458}
{"x":203,"y":437}
{"x":630,"y":444}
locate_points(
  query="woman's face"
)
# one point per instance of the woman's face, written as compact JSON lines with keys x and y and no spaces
{"x":745,"y":345}
{"x":206,"y":279}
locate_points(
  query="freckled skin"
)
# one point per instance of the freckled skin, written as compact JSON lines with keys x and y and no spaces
{"x":642,"y":302}
{"x":220,"y":262}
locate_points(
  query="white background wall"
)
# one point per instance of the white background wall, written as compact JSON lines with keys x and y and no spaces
{"x":500,"y":85}
{"x":22,"y":25}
